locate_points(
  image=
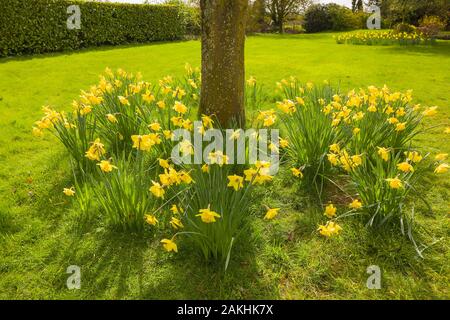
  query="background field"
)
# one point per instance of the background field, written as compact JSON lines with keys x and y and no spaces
{"x":40,"y":238}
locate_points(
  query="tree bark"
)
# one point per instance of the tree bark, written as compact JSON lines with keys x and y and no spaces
{"x":223,"y":68}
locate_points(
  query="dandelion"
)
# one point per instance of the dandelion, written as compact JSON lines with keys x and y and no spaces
{"x":395,"y":183}
{"x":70,"y":192}
{"x":207,"y":215}
{"x":169,"y":245}
{"x":176,"y":223}
{"x":106,"y":166}
{"x":355,"y":204}
{"x":442,"y":168}
{"x":157,"y":190}
{"x":271,"y":213}
{"x":151,"y":219}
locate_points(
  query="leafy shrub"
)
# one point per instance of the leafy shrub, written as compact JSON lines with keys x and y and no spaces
{"x":405,"y":28}
{"x":37,"y":26}
{"x":331,"y":17}
{"x":431,"y":26}
{"x":317,"y":19}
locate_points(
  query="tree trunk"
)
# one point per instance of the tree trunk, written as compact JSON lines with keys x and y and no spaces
{"x":223,"y":68}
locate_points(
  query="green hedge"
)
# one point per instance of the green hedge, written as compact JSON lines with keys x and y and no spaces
{"x":38,"y":26}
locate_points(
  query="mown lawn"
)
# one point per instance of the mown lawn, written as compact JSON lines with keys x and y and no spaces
{"x":40,"y":235}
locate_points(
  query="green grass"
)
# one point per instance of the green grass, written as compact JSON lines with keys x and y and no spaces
{"x":40,"y":234}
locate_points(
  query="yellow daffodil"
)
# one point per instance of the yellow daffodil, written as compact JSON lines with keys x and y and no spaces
{"x":414,"y":156}
{"x":271,"y":213}
{"x":154,"y":126}
{"x":236,"y":182}
{"x":335,"y":148}
{"x":383,"y":153}
{"x":175,"y":209}
{"x":207,"y":121}
{"x":250,"y":174}
{"x":333,"y":158}
{"x":157,"y":190}
{"x":111,"y":118}
{"x":207,"y":215}
{"x":169,"y":245}
{"x":395,"y":183}
{"x":400,"y":126}
{"x":176,"y":223}
{"x":70,"y":192}
{"x":124,"y":101}
{"x":447,"y":130}
{"x":405,"y":167}
{"x":164,"y":163}
{"x":429,"y":112}
{"x":297,"y":173}
{"x":330,"y":229}
{"x":355,"y":204}
{"x":106,"y":166}
{"x":442,"y":168}
{"x":180,"y":108}
{"x":161,"y":104}
{"x":235,"y":134}
{"x":148,"y":97}
{"x":96,"y":150}
{"x":151,"y":219}
{"x":205,"y":168}
{"x":441,"y":156}
{"x":330,"y":211}
{"x":283,"y":143}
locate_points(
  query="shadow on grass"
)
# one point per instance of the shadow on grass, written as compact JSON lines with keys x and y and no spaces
{"x":85,"y":50}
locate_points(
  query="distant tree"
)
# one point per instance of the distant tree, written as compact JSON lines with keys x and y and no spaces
{"x":357,"y":5}
{"x":279,"y":10}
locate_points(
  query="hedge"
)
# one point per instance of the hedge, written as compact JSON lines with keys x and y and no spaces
{"x":38,"y":26}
